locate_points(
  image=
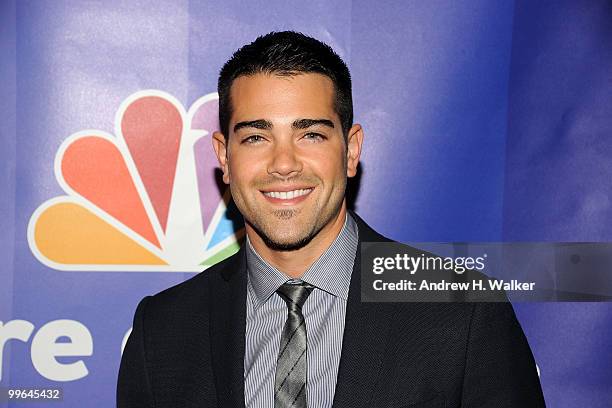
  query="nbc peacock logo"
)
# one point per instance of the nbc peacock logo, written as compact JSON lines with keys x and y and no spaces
{"x":144,"y":199}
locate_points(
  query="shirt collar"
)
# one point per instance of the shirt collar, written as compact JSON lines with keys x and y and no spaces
{"x":331,"y":272}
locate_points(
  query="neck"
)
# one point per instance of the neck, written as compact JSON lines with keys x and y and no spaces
{"x":295,"y":263}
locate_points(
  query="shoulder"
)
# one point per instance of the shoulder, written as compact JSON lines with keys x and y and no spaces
{"x":455,"y":331}
{"x":188,"y":297}
{"x":455,"y":315}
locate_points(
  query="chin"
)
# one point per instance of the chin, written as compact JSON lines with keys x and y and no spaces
{"x":286,"y":243}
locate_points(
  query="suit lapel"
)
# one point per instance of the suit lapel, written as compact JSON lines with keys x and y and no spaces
{"x":228,"y":325}
{"x":365,"y":337}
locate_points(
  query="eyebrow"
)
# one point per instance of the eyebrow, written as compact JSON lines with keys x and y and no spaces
{"x":297,"y":124}
{"x":257,"y":124}
{"x":306,"y":123}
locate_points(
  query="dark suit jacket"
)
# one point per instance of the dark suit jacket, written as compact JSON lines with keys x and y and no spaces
{"x":187,"y":349}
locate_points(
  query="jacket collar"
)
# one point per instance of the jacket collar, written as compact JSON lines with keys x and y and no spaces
{"x":365,"y":336}
{"x":227,"y":330}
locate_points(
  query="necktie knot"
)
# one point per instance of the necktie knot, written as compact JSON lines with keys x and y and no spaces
{"x":295,"y":294}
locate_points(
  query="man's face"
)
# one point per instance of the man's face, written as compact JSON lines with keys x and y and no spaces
{"x":286,"y":159}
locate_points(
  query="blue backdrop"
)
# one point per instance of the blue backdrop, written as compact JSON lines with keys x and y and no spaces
{"x":484,"y":121}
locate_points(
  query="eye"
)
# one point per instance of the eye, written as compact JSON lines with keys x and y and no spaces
{"x":253,"y":139}
{"x":315,"y":137}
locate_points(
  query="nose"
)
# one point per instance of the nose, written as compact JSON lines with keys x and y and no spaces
{"x":284,"y":161}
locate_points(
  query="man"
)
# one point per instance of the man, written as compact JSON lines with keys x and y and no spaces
{"x":281,"y":323}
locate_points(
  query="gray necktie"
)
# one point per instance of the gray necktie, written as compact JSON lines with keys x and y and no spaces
{"x":290,"y":382}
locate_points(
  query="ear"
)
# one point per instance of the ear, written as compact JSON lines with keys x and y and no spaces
{"x":354,"y":142}
{"x":220,"y":146}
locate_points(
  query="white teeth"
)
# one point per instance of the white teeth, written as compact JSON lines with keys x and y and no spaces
{"x":288,"y":195}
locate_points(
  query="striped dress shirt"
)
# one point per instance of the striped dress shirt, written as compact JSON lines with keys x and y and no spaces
{"x":324,"y":312}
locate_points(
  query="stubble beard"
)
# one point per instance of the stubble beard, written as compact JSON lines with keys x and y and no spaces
{"x":277,"y":245}
{"x":311,"y":230}
{"x":263,"y":231}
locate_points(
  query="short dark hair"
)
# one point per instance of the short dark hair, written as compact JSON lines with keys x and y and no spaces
{"x":287,"y":53}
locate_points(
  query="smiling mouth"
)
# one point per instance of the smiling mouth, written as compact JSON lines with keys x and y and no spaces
{"x":287,"y":197}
